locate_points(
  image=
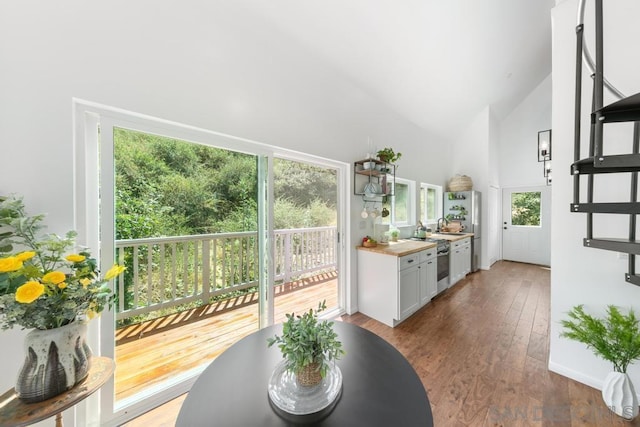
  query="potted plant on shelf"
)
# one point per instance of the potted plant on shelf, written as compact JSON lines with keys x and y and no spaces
{"x":616,"y":339}
{"x":308,"y":346}
{"x":388,"y":155}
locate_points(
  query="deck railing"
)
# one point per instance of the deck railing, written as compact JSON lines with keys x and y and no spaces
{"x":163,"y":272}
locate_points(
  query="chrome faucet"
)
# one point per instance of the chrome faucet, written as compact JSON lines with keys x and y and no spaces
{"x":438,"y":226}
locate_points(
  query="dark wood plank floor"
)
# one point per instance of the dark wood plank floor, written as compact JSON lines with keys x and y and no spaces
{"x":481,"y":350}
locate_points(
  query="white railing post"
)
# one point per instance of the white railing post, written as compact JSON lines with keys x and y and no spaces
{"x":206,"y":272}
{"x":287,"y":257}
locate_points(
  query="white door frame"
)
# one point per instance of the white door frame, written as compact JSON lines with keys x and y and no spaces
{"x":87,"y":118}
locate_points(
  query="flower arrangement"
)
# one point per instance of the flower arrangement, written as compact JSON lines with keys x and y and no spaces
{"x":46,"y":285}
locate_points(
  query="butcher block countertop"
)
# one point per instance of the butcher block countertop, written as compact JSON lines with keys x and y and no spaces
{"x":406,"y":247}
{"x":400,"y":248}
{"x":451,"y":237}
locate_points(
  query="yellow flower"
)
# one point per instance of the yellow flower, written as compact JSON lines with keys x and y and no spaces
{"x":23,"y":256}
{"x":54,"y":277}
{"x":75,"y":258}
{"x":10,"y":264}
{"x":114,"y":271}
{"x":85,"y":282}
{"x":62,"y":285}
{"x":29,"y":292}
{"x":91,"y":314}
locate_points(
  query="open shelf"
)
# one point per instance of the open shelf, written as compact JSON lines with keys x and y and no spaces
{"x":380,"y":173}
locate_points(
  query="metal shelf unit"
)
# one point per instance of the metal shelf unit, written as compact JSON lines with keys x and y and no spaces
{"x":383,"y":174}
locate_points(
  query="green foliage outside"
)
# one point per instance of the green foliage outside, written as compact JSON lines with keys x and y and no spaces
{"x":167,"y":187}
{"x":615,"y":338}
{"x":525,"y":208}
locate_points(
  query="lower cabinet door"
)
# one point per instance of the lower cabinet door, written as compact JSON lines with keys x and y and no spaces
{"x":432,"y":277}
{"x":409,"y":289}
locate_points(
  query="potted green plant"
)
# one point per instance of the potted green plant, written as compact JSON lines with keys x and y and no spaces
{"x":388,"y":155}
{"x":395,"y":233}
{"x":309,"y":346}
{"x":616,"y":338}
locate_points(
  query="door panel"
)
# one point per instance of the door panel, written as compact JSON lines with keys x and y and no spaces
{"x":526,"y":225}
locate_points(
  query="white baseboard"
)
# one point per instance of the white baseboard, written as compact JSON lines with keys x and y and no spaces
{"x":578,"y":376}
{"x":575,"y":375}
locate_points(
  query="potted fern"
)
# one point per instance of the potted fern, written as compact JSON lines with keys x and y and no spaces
{"x":616,"y":338}
{"x":308,"y":345}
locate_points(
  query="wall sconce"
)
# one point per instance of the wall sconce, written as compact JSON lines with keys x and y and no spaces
{"x":544,"y":145}
{"x":544,"y":153}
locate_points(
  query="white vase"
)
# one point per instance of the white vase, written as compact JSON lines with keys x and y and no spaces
{"x":620,"y":396}
{"x":56,"y":360}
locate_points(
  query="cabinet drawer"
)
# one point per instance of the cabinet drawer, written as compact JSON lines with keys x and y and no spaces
{"x":460,"y":243}
{"x":408,"y":261}
{"x":427,"y":255}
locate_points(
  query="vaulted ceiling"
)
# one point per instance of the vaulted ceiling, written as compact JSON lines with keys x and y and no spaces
{"x":437,"y":63}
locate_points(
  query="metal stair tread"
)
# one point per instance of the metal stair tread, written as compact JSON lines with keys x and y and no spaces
{"x":614,"y":244}
{"x":624,"y":110}
{"x":608,"y":207}
{"x":607,"y":164}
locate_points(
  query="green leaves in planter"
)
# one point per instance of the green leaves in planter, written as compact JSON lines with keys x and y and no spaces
{"x":306,"y":340}
{"x":615,"y":338}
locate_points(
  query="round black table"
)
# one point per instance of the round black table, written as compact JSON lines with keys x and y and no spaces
{"x":380,"y":387}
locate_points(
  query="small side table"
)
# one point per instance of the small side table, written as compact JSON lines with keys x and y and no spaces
{"x":15,"y":413}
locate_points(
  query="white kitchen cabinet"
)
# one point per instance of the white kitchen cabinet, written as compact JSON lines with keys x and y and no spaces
{"x":392,"y":288}
{"x":428,"y":275}
{"x":459,"y":260}
{"x":409,"y":290}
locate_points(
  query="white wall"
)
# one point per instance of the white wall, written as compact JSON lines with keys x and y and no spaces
{"x":580,"y":275}
{"x":518,"y":160}
{"x":471,"y":151}
{"x":209,"y":64}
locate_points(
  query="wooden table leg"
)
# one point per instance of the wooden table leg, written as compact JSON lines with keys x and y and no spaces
{"x":59,"y":419}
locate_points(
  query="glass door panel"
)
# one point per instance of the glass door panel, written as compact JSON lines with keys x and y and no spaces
{"x":305,"y":237}
{"x":186,"y":227}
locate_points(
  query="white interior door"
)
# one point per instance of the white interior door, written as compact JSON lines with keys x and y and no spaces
{"x":526,"y":224}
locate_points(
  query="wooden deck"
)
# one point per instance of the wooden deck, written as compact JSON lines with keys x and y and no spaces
{"x":151,"y":352}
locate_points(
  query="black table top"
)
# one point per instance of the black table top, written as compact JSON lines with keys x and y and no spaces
{"x":380,"y":387}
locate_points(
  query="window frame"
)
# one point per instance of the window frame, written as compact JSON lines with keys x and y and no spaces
{"x":539,"y":225}
{"x":424,"y":207}
{"x":411,"y":202}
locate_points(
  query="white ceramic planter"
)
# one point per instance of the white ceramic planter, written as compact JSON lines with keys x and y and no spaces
{"x":620,"y":396}
{"x":56,"y":360}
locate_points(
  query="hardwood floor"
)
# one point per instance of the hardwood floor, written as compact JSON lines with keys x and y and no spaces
{"x":481,"y":350}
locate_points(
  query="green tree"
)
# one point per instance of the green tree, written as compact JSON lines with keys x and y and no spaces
{"x":525,"y":208}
